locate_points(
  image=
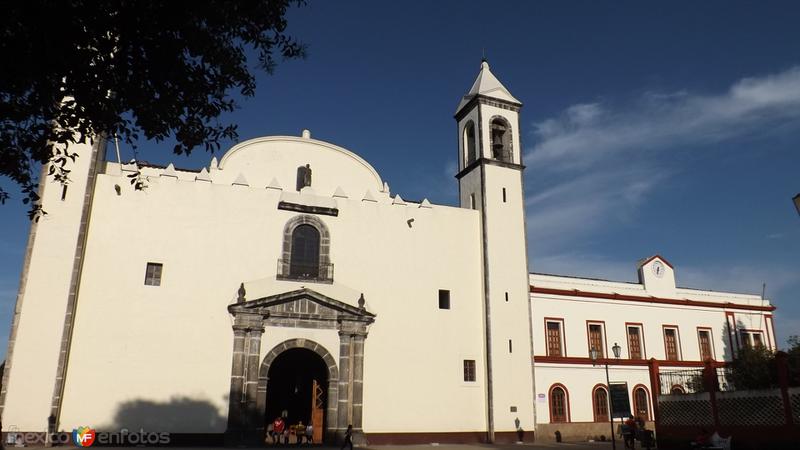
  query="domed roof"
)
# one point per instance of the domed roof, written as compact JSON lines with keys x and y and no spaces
{"x":275,"y":159}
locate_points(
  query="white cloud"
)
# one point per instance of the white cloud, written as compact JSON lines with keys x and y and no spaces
{"x":595,"y":164}
{"x":591,"y":132}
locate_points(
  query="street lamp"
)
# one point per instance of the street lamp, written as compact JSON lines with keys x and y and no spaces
{"x":594,"y":353}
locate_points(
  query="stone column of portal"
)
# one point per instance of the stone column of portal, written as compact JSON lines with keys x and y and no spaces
{"x":357,"y":379}
{"x":345,"y":374}
{"x":242,"y":410}
{"x":254,"y":417}
{"x":235,"y":413}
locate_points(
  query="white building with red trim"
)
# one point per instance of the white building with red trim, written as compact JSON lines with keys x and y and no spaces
{"x":654,"y":323}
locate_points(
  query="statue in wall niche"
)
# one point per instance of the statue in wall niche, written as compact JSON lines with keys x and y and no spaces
{"x":303,"y":177}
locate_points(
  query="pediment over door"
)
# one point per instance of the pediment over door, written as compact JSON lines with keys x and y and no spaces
{"x":301,"y":308}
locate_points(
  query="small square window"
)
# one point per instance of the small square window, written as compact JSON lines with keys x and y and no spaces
{"x":469,"y":370}
{"x":444,"y":299}
{"x":152,"y":276}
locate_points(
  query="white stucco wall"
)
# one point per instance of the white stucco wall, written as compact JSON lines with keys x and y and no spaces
{"x":42,"y":301}
{"x":136,"y":342}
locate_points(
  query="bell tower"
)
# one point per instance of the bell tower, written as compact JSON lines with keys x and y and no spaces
{"x":490,"y":181}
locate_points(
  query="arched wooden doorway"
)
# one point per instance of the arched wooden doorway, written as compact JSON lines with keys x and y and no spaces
{"x":297,"y":388}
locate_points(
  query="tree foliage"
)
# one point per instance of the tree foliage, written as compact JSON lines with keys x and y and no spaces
{"x":754,"y":368}
{"x":793,"y":360}
{"x":77,"y":69}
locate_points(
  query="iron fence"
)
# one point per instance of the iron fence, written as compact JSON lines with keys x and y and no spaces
{"x":688,"y":381}
{"x":288,"y":270}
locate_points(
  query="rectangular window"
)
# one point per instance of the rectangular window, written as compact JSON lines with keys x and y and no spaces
{"x":596,"y":339}
{"x":472,"y":201}
{"x":152,"y":275}
{"x":444,"y":299}
{"x":510,"y":347}
{"x":554,"y":343}
{"x":671,"y":344}
{"x":635,"y":342}
{"x":506,"y":296}
{"x":704,"y":339}
{"x":469,"y":370}
{"x":752,"y":338}
{"x":64,"y":193}
{"x":504,"y":195}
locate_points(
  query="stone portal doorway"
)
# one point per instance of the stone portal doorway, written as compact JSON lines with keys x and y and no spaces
{"x":297,"y":386}
{"x":341,"y":398}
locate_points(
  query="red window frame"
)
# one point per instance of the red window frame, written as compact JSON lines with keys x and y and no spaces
{"x":564,"y":418}
{"x":711,"y":349}
{"x":563,"y":344}
{"x":677,"y":342}
{"x":637,"y":407}
{"x":600,"y":406}
{"x":642,"y":351}
{"x":603,"y":344}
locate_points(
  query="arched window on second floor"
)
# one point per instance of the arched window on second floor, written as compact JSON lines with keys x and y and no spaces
{"x":600,"y":403}
{"x":304,"y":262}
{"x":501,"y":140}
{"x":469,"y":143}
{"x":306,"y":250}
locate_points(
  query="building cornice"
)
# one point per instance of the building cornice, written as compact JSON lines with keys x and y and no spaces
{"x":486,"y":100}
{"x":489,"y":162}
{"x":620,"y":362}
{"x":648,"y":299}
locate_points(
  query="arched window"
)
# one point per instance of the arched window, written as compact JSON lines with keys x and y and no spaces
{"x":469,"y":142}
{"x":501,"y":140}
{"x":600,"y":403}
{"x":559,"y":404}
{"x":641,"y":406}
{"x":305,"y":252}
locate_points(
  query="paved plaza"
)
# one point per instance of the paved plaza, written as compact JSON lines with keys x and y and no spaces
{"x":542,"y":445}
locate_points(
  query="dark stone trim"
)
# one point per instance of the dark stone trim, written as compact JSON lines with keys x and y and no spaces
{"x":485,"y":100}
{"x":287,"y":206}
{"x":260,"y":305}
{"x":527,"y":296}
{"x":23,"y":283}
{"x":324,"y":240}
{"x":303,"y":308}
{"x":488,"y":314}
{"x":97,"y":157}
{"x":491,"y":162}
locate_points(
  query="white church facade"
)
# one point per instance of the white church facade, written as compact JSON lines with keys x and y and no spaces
{"x":286,"y":279}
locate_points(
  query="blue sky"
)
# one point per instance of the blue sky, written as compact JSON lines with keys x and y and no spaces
{"x":647,"y":128}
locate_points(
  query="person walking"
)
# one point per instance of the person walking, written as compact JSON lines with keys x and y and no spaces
{"x":348,"y":438}
{"x":278,"y":425}
{"x":310,"y":433}
{"x":300,"y":432}
{"x":629,"y":433}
